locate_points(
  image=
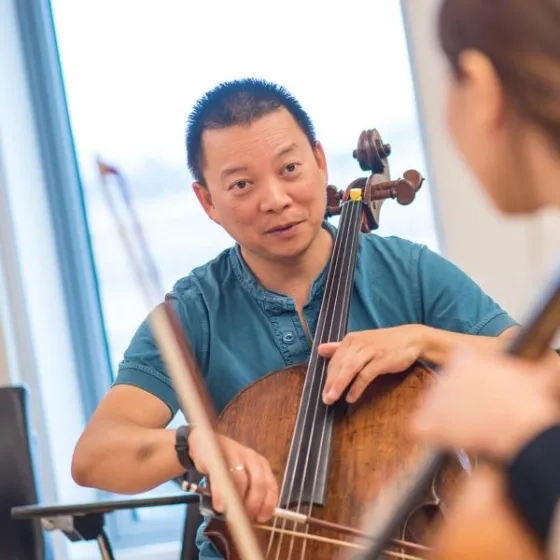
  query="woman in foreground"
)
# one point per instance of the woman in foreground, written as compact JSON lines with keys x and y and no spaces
{"x":504,"y":117}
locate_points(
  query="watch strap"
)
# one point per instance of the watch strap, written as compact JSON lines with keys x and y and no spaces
{"x":182,"y":434}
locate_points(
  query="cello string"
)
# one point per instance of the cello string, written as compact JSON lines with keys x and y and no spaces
{"x":194,"y":488}
{"x":304,"y":411}
{"x":352,"y":211}
{"x":349,"y":238}
{"x":320,"y":408}
{"x":298,"y":441}
{"x":338,"y":542}
{"x":345,"y":292}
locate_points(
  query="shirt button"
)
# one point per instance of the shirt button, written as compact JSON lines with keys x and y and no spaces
{"x":288,"y":337}
{"x":276,"y":309}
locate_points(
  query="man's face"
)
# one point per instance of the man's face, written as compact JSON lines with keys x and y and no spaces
{"x":265,"y":185}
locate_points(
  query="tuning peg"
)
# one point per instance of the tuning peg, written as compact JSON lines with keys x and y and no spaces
{"x":405,"y":189}
{"x":414,"y":178}
{"x":403,"y":192}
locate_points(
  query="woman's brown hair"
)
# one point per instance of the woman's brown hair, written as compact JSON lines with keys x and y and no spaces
{"x":522,"y":40}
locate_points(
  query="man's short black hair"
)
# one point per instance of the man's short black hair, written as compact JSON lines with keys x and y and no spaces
{"x":238,"y":102}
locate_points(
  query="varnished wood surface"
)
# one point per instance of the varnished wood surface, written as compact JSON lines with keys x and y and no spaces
{"x":371,"y":446}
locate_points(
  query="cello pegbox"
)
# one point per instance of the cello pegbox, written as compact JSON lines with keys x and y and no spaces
{"x":372,"y":154}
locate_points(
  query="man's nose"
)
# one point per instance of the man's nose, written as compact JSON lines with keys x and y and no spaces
{"x":275,"y":197}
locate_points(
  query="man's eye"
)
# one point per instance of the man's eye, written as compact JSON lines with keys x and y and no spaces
{"x":240,"y":184}
{"x":291,"y":167}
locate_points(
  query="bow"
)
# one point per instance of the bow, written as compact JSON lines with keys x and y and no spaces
{"x":186,"y":379}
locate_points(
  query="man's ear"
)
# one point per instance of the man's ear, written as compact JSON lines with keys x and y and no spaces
{"x":321,"y":160}
{"x":205,"y":199}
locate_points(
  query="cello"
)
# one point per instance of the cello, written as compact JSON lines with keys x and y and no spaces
{"x":331,"y":460}
{"x":481,"y":522}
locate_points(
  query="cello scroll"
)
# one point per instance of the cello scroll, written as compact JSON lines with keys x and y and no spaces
{"x":372,"y":155}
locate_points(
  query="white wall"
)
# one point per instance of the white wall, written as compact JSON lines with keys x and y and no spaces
{"x":510,"y":258}
{"x":35,"y":344}
{"x":36,"y":330}
{"x":7,"y":366}
{"x":17,"y":357}
{"x":4,"y":364}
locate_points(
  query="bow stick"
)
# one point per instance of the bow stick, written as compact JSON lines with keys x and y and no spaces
{"x":194,"y":400}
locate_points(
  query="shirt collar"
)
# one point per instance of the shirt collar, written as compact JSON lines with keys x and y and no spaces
{"x":249,"y":282}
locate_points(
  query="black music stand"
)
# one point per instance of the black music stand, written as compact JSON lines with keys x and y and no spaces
{"x":86,"y":521}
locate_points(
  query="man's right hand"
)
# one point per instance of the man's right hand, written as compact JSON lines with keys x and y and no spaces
{"x":250,"y":471}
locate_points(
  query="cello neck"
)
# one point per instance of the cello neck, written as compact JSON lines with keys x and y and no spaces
{"x":333,"y":317}
{"x":308,"y":462}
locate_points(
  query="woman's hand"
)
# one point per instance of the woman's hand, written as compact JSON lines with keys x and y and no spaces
{"x":488,"y":402}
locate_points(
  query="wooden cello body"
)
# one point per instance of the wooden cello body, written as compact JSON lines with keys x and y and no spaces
{"x":369,"y":443}
{"x":330,"y":461}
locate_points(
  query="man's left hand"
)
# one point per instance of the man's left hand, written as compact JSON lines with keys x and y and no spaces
{"x":361,"y":356}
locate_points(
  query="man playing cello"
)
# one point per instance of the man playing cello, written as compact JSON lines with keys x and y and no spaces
{"x":261,"y":174}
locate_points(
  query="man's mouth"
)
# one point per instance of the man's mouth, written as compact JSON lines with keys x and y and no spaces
{"x":284,"y":227}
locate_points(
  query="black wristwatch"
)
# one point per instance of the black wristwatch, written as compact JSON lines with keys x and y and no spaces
{"x":182,"y":447}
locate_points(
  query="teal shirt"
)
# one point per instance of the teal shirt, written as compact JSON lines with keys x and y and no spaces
{"x":239,"y":331}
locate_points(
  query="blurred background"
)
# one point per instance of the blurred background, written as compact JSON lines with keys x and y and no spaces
{"x":117,"y":78}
